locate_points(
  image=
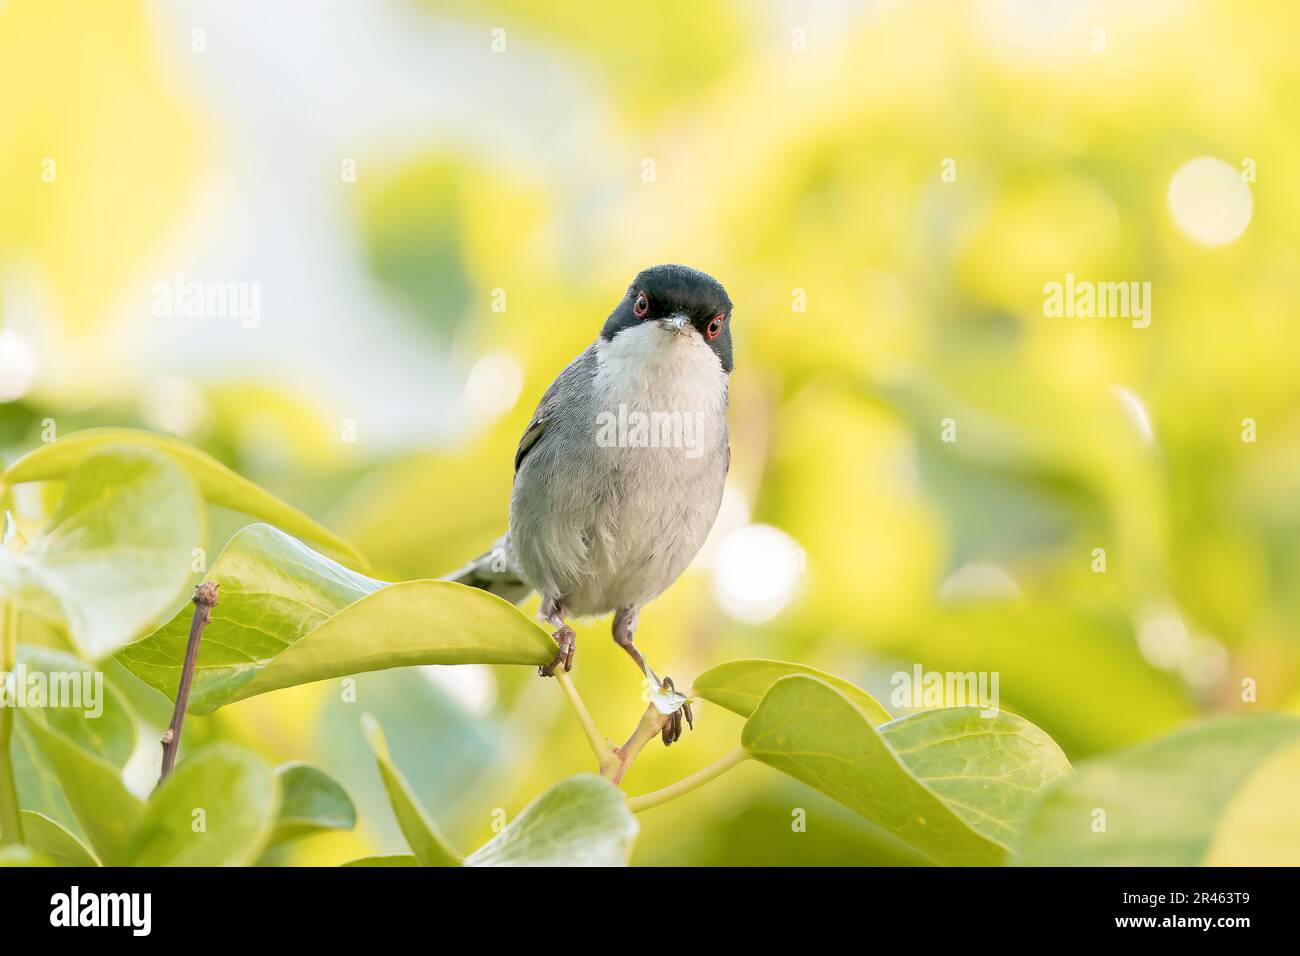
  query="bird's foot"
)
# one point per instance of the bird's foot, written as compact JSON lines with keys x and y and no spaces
{"x":567,"y":639}
{"x":672,"y":731}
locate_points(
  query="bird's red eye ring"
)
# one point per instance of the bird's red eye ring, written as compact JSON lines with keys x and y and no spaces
{"x":714,"y":328}
{"x":642,"y":306}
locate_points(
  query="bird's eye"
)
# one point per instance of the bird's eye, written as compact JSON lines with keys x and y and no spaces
{"x":641,"y":306}
{"x":714,"y":328}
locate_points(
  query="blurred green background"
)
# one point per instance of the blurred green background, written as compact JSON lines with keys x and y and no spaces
{"x":436,"y":205}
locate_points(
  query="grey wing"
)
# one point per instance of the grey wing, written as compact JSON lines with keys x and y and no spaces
{"x":570,"y":384}
{"x":536,"y":428}
{"x":496,"y":571}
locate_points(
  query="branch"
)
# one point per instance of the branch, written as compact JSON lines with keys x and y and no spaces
{"x":205,"y":599}
{"x":651,"y":726}
{"x":614,"y":761}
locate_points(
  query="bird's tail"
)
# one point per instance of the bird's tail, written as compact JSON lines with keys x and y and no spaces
{"x":494,"y":572}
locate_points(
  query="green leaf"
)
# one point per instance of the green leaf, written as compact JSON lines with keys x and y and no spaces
{"x":311,"y":801}
{"x":38,"y":784}
{"x":216,"y":809}
{"x":581,"y":821}
{"x":218,"y":484}
{"x":810,"y":730}
{"x":1222,"y":792}
{"x":89,"y":710}
{"x":111,"y":735}
{"x":421,"y":834}
{"x":93,"y":788}
{"x":451,"y":751}
{"x":48,"y":838}
{"x":289,"y":616}
{"x":988,"y":769}
{"x":740,"y":685}
{"x":392,"y":859}
{"x":118,"y":553}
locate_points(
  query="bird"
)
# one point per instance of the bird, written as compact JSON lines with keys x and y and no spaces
{"x":619,"y":475}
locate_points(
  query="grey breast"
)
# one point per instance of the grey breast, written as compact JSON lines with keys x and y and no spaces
{"x":607,"y":527}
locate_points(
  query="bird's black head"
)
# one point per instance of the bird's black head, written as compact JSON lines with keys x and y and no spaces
{"x":677,"y":298}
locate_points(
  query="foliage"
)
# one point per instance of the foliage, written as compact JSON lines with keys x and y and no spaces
{"x":288,"y":616}
{"x":876,"y":300}
{"x":215,"y":482}
{"x":1218,"y":793}
{"x":958,"y":813}
{"x":958,"y":785}
{"x":117,"y":553}
{"x":280,"y":600}
{"x":581,"y":821}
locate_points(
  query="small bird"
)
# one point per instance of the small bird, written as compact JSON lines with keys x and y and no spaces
{"x":619,"y":474}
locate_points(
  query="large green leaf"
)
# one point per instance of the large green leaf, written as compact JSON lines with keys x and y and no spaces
{"x":740,"y":685}
{"x":311,"y":801}
{"x":93,"y":788}
{"x":428,"y":845}
{"x":988,"y":769}
{"x":581,"y":821}
{"x":79,"y":701}
{"x":60,"y":678}
{"x":118,"y":553}
{"x":217,"y":809}
{"x":38,"y":785}
{"x":289,"y":616}
{"x":1222,"y":792}
{"x":47,"y":837}
{"x":810,"y":730}
{"x":219,"y":484}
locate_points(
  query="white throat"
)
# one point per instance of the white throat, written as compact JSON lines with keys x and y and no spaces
{"x":654,"y":369}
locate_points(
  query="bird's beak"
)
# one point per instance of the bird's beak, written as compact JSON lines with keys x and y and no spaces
{"x":674,"y":323}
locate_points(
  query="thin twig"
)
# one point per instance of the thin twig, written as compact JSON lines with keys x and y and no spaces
{"x":605,"y":754}
{"x":205,"y":599}
{"x":686,"y":785}
{"x":614,"y":761}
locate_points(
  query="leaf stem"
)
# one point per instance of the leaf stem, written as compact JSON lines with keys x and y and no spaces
{"x":687,"y":784}
{"x":604,"y":751}
{"x":11,"y":821}
{"x":205,"y":599}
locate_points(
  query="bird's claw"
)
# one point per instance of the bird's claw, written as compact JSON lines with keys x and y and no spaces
{"x":672,"y":730}
{"x":567,"y":639}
